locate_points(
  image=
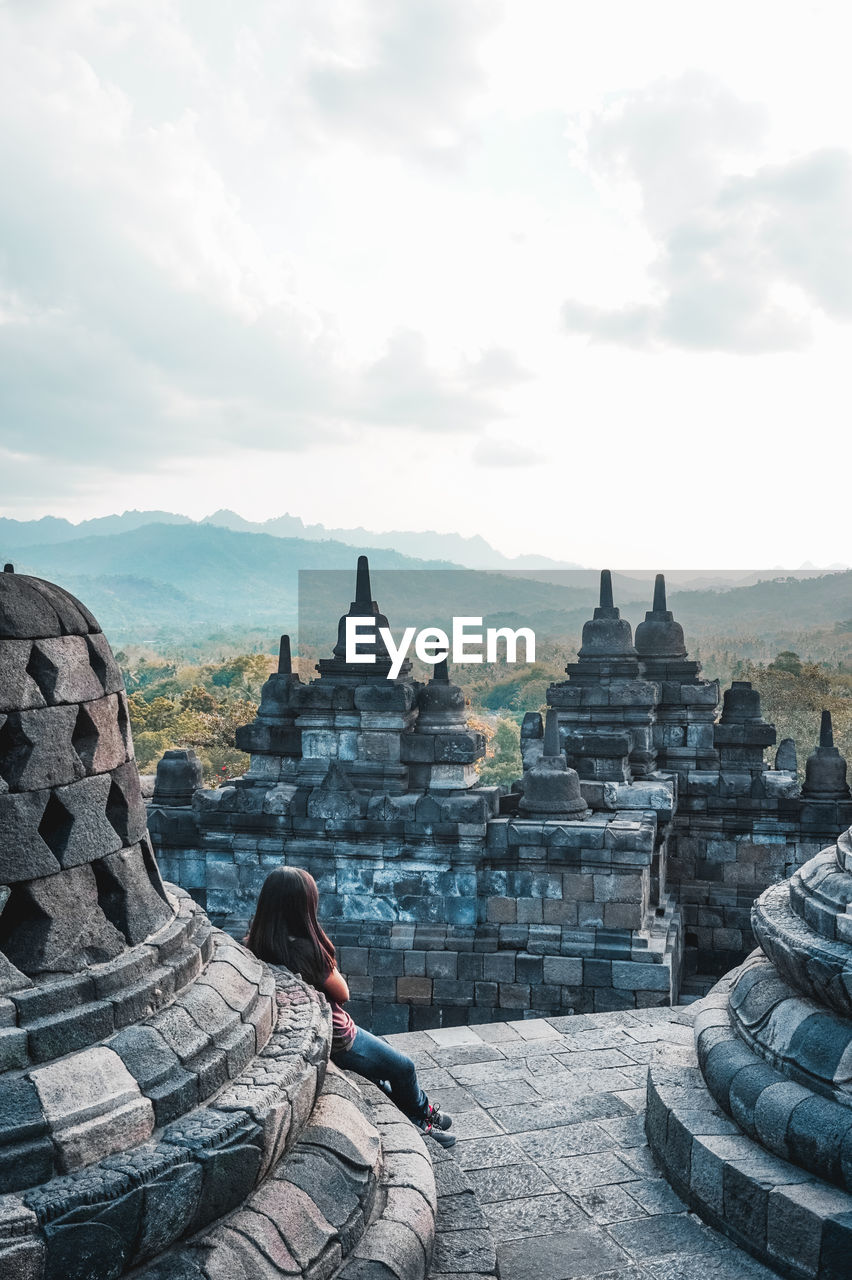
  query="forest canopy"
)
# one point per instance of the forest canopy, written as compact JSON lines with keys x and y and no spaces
{"x":179,"y":703}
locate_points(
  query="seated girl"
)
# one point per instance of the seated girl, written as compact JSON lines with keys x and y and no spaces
{"x":285,"y":930}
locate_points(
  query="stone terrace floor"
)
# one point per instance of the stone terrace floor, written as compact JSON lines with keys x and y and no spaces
{"x":549,"y":1119}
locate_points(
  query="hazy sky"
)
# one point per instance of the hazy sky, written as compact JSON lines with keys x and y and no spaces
{"x":574,"y":276}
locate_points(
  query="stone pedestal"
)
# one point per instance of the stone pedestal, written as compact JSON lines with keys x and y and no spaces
{"x":774,"y":1046}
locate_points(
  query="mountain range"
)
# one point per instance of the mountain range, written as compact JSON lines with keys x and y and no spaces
{"x":156,"y":578}
{"x":469,"y":552}
{"x":473,"y":553}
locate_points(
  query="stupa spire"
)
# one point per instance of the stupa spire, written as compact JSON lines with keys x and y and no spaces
{"x":363,"y":590}
{"x":285,"y":664}
{"x":607,"y":634}
{"x":551,"y":734}
{"x":659,"y":636}
{"x":825,"y":768}
{"x":551,"y":789}
{"x":606,"y":589}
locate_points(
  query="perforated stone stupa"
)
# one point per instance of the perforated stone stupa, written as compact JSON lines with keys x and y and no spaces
{"x":166,"y":1104}
{"x":758,"y":1138}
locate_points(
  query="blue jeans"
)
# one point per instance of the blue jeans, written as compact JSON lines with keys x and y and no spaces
{"x":387,"y":1067}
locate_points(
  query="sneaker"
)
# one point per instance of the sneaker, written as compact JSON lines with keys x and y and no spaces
{"x":430,"y":1131}
{"x":437,"y":1118}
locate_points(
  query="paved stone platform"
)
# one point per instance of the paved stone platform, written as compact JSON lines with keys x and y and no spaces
{"x":549,"y":1116}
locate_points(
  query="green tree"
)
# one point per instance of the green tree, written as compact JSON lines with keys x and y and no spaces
{"x":787,"y":661}
{"x":502,"y":764}
{"x":197,"y":698}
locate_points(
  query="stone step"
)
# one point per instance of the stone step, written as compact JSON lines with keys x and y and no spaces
{"x":803,"y":1040}
{"x":797,"y":1224}
{"x":164,"y":1183}
{"x":816,"y":966}
{"x":82,"y":1105}
{"x":821,"y":893}
{"x":63,"y":1014}
{"x":354,"y":1197}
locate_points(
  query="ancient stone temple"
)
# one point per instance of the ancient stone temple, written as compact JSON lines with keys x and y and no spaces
{"x":754,"y":1127}
{"x":626,"y":859}
{"x":450,"y":904}
{"x":166,"y":1102}
{"x":737,"y":825}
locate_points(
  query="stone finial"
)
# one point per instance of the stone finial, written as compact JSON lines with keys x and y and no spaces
{"x":606,"y":589}
{"x":364,"y":606}
{"x":551,"y":789}
{"x":785,"y":757}
{"x":8,"y":568}
{"x":441,"y":673}
{"x":825,"y":769}
{"x":607,"y":634}
{"x":363,"y":590}
{"x":551,"y":734}
{"x":659,"y":605}
{"x":441,"y":703}
{"x":285,"y":663}
{"x":659,"y":636}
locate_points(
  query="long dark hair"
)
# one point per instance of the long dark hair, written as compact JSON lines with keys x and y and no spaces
{"x":285,"y":929}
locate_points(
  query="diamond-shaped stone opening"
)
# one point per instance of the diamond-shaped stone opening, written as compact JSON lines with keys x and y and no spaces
{"x":44,"y":672}
{"x":118,"y":811}
{"x":153,"y":869}
{"x":97,"y":663}
{"x":15,"y":911}
{"x":84,"y":739}
{"x":55,"y":826}
{"x":124,"y":723}
{"x":15,"y":750}
{"x":112,"y":895}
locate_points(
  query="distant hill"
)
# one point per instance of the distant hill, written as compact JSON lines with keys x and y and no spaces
{"x":164,"y":581}
{"x":167,"y":577}
{"x":50,"y":530}
{"x":469,"y":552}
{"x":473,"y":553}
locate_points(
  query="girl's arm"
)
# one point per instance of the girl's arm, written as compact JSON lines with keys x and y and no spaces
{"x":335,"y":987}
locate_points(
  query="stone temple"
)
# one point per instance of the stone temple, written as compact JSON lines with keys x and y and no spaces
{"x":167,"y":1107}
{"x":166,"y":1103}
{"x":646,"y":824}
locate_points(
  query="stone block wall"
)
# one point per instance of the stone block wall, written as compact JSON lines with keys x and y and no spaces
{"x":642,"y":830}
{"x":437,"y":925}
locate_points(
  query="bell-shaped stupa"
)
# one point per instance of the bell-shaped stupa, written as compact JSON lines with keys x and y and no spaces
{"x":551,"y":789}
{"x":659,"y":636}
{"x":161,"y":1090}
{"x":825,"y":768}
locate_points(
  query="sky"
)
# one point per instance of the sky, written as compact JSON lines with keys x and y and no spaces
{"x":576,"y":277}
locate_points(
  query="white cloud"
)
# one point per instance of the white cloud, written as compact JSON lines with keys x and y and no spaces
{"x":408,"y":76}
{"x":147,"y":309}
{"x":494,"y":452}
{"x":249,"y":252}
{"x":745,"y":253}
